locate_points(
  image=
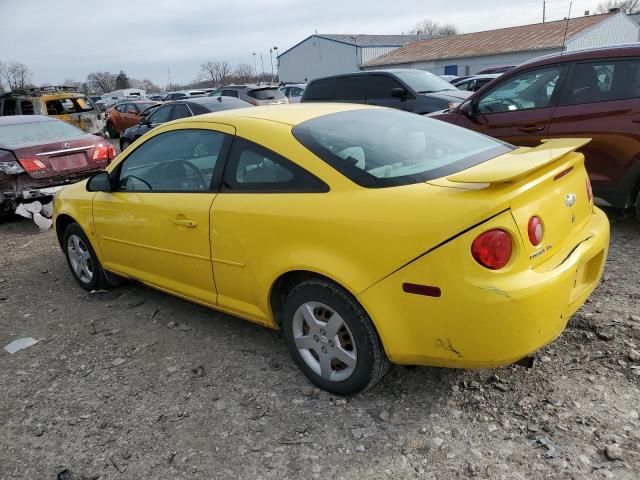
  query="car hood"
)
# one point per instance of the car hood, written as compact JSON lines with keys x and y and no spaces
{"x":450,"y":95}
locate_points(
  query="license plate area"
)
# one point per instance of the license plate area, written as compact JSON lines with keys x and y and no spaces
{"x":69,"y":162}
{"x":586,"y":274}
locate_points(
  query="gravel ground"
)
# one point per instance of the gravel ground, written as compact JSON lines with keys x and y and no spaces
{"x":135,"y":384}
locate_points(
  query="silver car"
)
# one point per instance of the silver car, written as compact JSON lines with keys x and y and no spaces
{"x":293,"y":91}
{"x":254,"y":94}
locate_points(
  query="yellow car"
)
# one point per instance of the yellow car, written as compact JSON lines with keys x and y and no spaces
{"x":368,"y":235}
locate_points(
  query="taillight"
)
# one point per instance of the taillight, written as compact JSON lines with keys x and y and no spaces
{"x":104,"y":152}
{"x":535,"y":230}
{"x":492,"y":249}
{"x":32,"y":164}
{"x":589,"y":190}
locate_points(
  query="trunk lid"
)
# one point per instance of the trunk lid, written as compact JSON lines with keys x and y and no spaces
{"x":62,"y":158}
{"x":548,"y":181}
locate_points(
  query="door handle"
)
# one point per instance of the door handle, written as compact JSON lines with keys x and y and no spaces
{"x":531,"y":129}
{"x":183,"y":222}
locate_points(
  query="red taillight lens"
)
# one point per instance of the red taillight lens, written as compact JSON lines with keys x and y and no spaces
{"x":589,"y":190}
{"x":32,"y":164}
{"x":492,"y":249}
{"x":535,"y":230}
{"x":104,"y":152}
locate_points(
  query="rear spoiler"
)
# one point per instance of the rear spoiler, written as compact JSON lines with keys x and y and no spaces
{"x":517,"y":164}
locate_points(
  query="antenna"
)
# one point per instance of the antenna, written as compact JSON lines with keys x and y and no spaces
{"x":566,"y":28}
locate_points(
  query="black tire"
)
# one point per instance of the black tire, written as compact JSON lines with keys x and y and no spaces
{"x":638,"y":206}
{"x":111,"y":131}
{"x":124,"y":144}
{"x":371,"y":362}
{"x":97,"y":280}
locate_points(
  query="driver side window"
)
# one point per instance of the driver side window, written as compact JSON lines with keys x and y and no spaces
{"x":161,"y":115}
{"x":526,"y":91}
{"x":176,"y":161}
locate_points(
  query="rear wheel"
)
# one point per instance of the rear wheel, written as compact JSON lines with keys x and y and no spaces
{"x":332,"y":339}
{"x":81,"y":258}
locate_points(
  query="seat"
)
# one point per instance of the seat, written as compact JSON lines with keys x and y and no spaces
{"x":585,"y":87}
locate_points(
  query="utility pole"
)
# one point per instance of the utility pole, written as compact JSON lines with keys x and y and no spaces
{"x":544,"y":8}
{"x":271,"y":58}
{"x":255,"y":68}
{"x":262,"y":63}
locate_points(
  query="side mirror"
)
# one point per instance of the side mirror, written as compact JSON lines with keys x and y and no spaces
{"x":470,"y":108}
{"x":100,"y":182}
{"x":398,"y":92}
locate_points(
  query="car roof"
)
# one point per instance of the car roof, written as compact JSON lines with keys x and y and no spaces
{"x":291,"y":114}
{"x":215,"y":101}
{"x":24,"y":119}
{"x":622,"y":50}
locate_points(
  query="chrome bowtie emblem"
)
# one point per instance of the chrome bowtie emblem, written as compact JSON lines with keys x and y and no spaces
{"x":570,"y":200}
{"x":66,"y":145}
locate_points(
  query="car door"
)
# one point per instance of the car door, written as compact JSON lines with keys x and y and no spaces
{"x":154,"y":225}
{"x":130,"y":116}
{"x":601,"y":100}
{"x":518,"y":108}
{"x":259,"y":185}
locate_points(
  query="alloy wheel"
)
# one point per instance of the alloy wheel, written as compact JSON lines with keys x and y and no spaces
{"x":80,"y":258}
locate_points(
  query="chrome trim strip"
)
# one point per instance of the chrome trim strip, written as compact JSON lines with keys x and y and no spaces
{"x":70,"y":150}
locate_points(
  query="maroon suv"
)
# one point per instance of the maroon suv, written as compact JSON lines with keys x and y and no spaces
{"x":590,"y":93}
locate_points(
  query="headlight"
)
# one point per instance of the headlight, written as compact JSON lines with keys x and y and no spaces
{"x":12,"y":167}
{"x":452,"y":104}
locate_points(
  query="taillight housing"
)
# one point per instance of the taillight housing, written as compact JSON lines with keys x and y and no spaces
{"x":104,"y":152}
{"x":32,"y":164}
{"x":492,"y":249}
{"x":535,"y":229}
{"x":589,"y":190}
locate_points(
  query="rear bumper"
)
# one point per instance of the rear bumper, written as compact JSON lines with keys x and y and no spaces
{"x":486,"y":319}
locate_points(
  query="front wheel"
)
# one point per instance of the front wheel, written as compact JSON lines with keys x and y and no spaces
{"x":638,"y":206}
{"x":332,"y":339}
{"x":81,"y":258}
{"x":111,"y":130}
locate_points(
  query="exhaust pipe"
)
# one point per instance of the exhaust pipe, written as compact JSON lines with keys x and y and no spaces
{"x":526,"y":362}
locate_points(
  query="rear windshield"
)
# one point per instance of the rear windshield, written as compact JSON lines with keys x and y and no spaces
{"x":424,"y":82}
{"x":265,"y":93}
{"x":383,"y":148}
{"x":62,"y":106}
{"x":38,"y":132}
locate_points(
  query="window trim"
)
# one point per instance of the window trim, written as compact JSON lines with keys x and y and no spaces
{"x":231,"y":165}
{"x":555,"y":96}
{"x":218,"y":169}
{"x":562,"y":100}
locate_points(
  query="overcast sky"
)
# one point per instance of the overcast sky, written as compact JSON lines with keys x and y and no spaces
{"x":60,"y":39}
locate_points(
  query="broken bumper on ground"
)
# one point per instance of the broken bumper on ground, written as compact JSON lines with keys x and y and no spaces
{"x":484,"y":321}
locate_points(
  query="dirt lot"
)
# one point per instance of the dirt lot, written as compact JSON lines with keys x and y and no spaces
{"x":135,"y":384}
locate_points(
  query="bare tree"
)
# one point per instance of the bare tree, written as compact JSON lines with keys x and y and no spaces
{"x":626,"y":6}
{"x":145,"y":84}
{"x":243,"y":73}
{"x":102,"y":82}
{"x":431,"y":28}
{"x":216,"y":73}
{"x":17,"y":75}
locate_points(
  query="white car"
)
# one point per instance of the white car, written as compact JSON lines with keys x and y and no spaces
{"x":293,"y":91}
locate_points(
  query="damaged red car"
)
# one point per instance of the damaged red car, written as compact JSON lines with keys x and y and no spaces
{"x":39,"y":155}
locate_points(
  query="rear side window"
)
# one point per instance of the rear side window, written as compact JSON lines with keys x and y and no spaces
{"x":253,"y":168}
{"x":229,"y":93}
{"x":265,"y":94}
{"x":351,"y":88}
{"x":602,"y":81}
{"x":180,"y":111}
{"x":323,"y":89}
{"x":380,"y":86}
{"x":63,"y":106}
{"x":122,"y":107}
{"x":161,"y":115}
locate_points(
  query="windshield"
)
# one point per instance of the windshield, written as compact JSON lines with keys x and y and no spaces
{"x":424,"y":82}
{"x":382,"y":148}
{"x":38,"y":132}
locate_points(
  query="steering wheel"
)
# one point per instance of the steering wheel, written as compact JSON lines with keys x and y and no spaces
{"x":198,"y":177}
{"x":512,"y":102}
